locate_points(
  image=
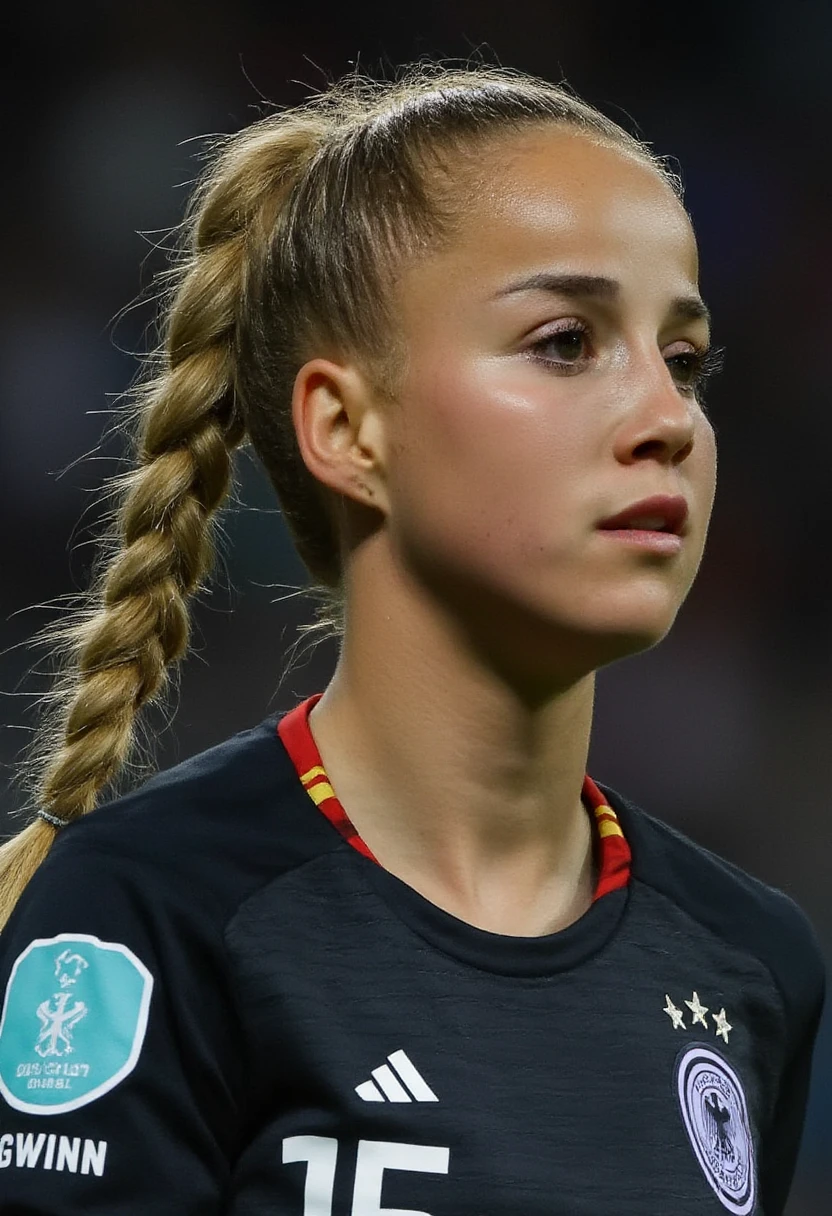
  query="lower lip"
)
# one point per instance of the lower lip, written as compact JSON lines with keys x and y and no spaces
{"x":656,"y":542}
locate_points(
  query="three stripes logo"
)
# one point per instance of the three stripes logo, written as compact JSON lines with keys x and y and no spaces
{"x":396,"y":1081}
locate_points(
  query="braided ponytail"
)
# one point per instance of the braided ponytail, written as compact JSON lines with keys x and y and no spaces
{"x":116,"y":651}
{"x":292,"y":240}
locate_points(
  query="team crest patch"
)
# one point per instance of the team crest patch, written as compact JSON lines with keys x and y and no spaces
{"x":714,"y":1110}
{"x":73,"y":1022}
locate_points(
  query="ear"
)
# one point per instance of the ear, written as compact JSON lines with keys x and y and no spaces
{"x":340,"y":430}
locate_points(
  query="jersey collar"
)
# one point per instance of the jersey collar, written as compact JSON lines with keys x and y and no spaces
{"x":612,"y":852}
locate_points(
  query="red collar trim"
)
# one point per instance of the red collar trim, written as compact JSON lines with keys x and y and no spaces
{"x":612,"y":850}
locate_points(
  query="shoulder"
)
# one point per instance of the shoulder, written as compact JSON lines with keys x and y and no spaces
{"x":214,"y":827}
{"x":242,"y":771}
{"x":741,"y":910}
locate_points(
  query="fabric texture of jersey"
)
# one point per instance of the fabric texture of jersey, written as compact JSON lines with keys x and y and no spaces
{"x":216,"y":1004}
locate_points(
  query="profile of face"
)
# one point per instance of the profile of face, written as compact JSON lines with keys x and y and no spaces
{"x":530,"y":412}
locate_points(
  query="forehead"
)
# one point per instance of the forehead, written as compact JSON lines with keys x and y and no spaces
{"x":555,"y":197}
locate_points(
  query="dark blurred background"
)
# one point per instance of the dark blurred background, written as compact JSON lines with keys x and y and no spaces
{"x":726,"y":728}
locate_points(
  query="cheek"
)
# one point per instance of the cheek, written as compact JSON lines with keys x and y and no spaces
{"x":702,"y":469}
{"x":481,"y":469}
{"x":711,"y":452}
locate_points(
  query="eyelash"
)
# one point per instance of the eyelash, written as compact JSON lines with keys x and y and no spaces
{"x":702,"y":363}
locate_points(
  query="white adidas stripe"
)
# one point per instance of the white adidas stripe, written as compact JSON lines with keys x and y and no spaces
{"x":412,"y":1078}
{"x":389,"y":1084}
{"x":393,"y":1087}
{"x":368,"y":1092}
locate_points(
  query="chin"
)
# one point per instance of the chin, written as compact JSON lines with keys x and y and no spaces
{"x":623,"y":644}
{"x":548,"y":651}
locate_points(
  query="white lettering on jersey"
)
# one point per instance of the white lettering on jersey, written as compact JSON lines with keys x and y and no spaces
{"x":69,"y":1153}
{"x":374,"y":1157}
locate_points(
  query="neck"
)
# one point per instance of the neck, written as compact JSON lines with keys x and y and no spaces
{"x":458,"y":786}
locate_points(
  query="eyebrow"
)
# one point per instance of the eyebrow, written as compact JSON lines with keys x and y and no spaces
{"x":590,"y":286}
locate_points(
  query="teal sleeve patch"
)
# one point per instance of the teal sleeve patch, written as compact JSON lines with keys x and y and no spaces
{"x":73,"y":1022}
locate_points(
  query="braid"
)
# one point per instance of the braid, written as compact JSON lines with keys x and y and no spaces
{"x":116,"y":651}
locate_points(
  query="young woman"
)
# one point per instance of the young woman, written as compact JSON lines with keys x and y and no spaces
{"x":397,"y":952}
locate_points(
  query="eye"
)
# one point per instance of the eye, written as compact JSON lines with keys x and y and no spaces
{"x":690,"y":369}
{"x":562,"y":348}
{"x":685,"y":368}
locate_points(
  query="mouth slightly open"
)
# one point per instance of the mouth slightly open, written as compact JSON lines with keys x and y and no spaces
{"x":657,"y":524}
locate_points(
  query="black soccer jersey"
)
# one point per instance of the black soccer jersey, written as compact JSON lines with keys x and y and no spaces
{"x":217,"y":1003}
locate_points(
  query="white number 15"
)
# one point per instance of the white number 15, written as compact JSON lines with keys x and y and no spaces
{"x":374,"y":1157}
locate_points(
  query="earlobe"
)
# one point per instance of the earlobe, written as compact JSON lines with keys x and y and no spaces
{"x":333,"y":415}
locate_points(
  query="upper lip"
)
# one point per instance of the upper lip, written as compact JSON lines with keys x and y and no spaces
{"x":673,"y":511}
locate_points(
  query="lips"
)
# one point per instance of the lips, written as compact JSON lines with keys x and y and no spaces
{"x":662,"y":513}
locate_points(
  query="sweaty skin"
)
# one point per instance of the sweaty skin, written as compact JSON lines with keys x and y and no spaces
{"x":481,"y":597}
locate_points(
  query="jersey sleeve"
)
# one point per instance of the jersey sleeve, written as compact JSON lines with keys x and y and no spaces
{"x":804,"y":1009}
{"x":118,"y":1043}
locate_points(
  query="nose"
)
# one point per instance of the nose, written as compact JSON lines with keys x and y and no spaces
{"x":660,"y":422}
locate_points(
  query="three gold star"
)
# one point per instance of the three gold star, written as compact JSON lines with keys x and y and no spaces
{"x":677,"y":1016}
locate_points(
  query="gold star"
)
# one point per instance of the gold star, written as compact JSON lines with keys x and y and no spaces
{"x":722,"y":1024}
{"x":675,"y":1014}
{"x":698,"y":1010}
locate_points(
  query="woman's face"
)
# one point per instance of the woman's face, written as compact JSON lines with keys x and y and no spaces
{"x":531,"y":409}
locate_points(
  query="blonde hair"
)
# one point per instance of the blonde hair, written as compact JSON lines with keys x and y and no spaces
{"x":289,"y":241}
